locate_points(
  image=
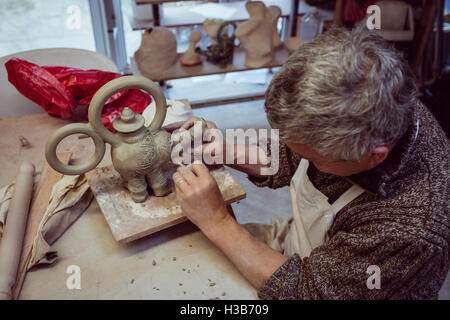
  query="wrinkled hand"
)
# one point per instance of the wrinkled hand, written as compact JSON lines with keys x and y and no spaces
{"x":185,"y":125}
{"x":199,"y":197}
{"x":213,"y":149}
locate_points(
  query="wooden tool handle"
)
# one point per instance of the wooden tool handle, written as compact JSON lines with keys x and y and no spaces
{"x":16,"y":221}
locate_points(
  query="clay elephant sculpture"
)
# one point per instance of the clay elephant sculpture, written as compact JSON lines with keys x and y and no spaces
{"x":137,"y":152}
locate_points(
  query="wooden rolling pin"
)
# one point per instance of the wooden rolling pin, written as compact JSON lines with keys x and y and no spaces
{"x":16,"y":221}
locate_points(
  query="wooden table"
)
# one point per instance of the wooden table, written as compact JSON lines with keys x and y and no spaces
{"x":177,"y":263}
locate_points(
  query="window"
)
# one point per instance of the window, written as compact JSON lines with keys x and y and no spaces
{"x":36,"y":24}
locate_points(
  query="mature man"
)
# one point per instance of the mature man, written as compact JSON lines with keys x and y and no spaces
{"x":368,"y":169}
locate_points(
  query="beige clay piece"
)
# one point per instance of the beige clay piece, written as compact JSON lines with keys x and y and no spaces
{"x":190,"y":57}
{"x":211,"y":26}
{"x":293,"y":44}
{"x":16,"y":221}
{"x":137,"y":152}
{"x":158,"y":51}
{"x":257,"y":35}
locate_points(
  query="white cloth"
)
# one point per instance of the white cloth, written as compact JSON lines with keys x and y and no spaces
{"x":176,"y":111}
{"x":312,"y":214}
{"x":69,"y":199}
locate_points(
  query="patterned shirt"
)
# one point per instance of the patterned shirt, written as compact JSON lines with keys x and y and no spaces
{"x":400,"y":225}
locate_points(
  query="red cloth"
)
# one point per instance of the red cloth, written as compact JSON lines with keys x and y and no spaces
{"x":40,"y":86}
{"x":354,"y":12}
{"x":58,"y":90}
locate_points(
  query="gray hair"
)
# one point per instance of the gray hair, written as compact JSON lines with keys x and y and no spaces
{"x":342,"y":94}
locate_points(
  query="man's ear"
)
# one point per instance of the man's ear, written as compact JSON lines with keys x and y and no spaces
{"x":378,"y":154}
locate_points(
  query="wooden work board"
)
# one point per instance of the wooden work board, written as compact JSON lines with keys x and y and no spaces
{"x":130,"y":221}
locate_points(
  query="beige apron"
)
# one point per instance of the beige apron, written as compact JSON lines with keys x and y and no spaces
{"x":312,"y":214}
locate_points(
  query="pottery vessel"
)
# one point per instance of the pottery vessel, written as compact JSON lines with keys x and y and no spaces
{"x":157,"y":53}
{"x":222,"y":52}
{"x":137,"y":152}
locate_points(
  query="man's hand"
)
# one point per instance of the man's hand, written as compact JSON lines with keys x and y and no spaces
{"x":213,"y":147}
{"x":186,"y":125}
{"x":200,"y":197}
{"x":202,"y":202}
{"x":246,"y":158}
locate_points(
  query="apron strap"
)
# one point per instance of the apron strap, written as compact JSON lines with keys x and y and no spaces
{"x":312,"y":214}
{"x":348,"y":196}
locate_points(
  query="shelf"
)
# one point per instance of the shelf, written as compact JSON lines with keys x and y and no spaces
{"x":178,"y":71}
{"x":140,"y":2}
{"x":181,"y":16}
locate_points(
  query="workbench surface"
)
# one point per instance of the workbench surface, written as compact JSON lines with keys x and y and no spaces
{"x":176,"y":263}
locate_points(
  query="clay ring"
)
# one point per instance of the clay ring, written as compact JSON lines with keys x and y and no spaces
{"x":61,"y":133}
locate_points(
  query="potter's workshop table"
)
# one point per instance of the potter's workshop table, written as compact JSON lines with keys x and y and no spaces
{"x":176,"y":263}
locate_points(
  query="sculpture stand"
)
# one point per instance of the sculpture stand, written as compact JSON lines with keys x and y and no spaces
{"x":129,"y":220}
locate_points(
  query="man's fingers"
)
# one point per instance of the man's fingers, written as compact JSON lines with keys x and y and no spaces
{"x":187,"y":124}
{"x":173,"y":126}
{"x":187,"y":175}
{"x":180,"y":182}
{"x":211,"y":125}
{"x":190,"y":122}
{"x":200,"y":170}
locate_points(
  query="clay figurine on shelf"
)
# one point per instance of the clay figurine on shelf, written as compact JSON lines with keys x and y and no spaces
{"x":157,"y":53}
{"x":210,"y":27}
{"x":138,"y":153}
{"x":293,"y":43}
{"x":190,"y":57}
{"x":257,"y":35}
{"x":222,"y":52}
